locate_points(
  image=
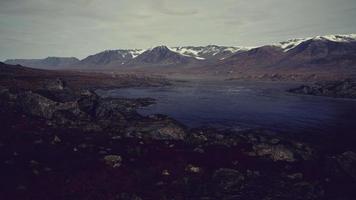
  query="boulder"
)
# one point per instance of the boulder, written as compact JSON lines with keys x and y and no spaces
{"x":347,"y":162}
{"x":113,"y":161}
{"x":228,"y":181}
{"x":274,"y":152}
{"x":89,"y":102}
{"x":36,"y":105}
{"x":54,"y":84}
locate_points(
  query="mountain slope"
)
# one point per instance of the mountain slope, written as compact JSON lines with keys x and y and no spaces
{"x":321,"y":54}
{"x":49,"y":62}
{"x":110,"y":57}
{"x":210,"y":52}
{"x":161,"y":56}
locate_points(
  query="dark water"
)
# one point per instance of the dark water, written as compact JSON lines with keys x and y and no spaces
{"x":246,"y":105}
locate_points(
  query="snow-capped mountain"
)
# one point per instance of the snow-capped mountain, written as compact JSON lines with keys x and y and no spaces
{"x":321,"y":53}
{"x":161,"y":55}
{"x":329,"y":50}
{"x":111,"y":57}
{"x":210,"y":52}
{"x":290,"y":44}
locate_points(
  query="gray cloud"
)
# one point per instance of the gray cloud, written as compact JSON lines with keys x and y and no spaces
{"x":38,"y":28}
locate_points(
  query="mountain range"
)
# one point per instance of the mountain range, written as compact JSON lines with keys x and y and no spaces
{"x":331,"y":54}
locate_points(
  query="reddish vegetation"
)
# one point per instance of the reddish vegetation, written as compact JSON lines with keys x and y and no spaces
{"x":111,"y":152}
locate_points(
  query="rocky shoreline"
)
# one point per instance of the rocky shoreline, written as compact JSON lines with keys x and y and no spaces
{"x":338,"y":89}
{"x":61,"y":142}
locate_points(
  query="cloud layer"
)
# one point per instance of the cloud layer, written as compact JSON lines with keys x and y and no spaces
{"x":40,"y":28}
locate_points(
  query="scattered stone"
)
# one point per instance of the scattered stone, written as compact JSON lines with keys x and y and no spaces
{"x":35,"y":172}
{"x":113,"y":160}
{"x":40,"y":141}
{"x":274,"y":141}
{"x":83,"y":146}
{"x":47,"y":169}
{"x":102,"y":152}
{"x":193,"y":169}
{"x":296,"y":176}
{"x":274,"y":152}
{"x":56,"y":140}
{"x":228,"y":180}
{"x":9,"y":162}
{"x":198,"y":150}
{"x":165,"y":172}
{"x":21,"y":187}
{"x":34,"y":163}
{"x":347,"y":161}
{"x":57,"y":84}
{"x":117,"y":137}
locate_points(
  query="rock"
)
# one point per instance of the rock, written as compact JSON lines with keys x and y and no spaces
{"x":165,"y":173}
{"x":47,"y":169}
{"x":34,"y":163}
{"x":35,"y":172}
{"x":21,"y":187}
{"x":274,"y":152}
{"x":274,"y":141}
{"x":125,"y":196}
{"x":56,"y":140}
{"x":192,"y":169}
{"x":89,"y":102}
{"x":36,"y":105}
{"x":117,"y":137}
{"x":295,"y":176}
{"x":347,"y":162}
{"x":113,"y":161}
{"x":198,"y":150}
{"x":228,"y":181}
{"x":342,"y":88}
{"x":163,"y":129}
{"x":40,"y":141}
{"x":57,"y":84}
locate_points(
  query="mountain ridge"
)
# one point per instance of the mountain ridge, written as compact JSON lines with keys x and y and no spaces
{"x":320,"y":54}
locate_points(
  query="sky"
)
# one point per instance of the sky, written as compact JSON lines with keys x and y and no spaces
{"x":41,"y":28}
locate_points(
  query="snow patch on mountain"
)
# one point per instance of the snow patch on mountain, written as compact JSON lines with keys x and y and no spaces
{"x":206,"y":52}
{"x":291,"y":44}
{"x":337,"y":38}
{"x":136,"y":52}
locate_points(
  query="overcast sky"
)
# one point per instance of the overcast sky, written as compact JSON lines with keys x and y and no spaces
{"x":41,"y":28}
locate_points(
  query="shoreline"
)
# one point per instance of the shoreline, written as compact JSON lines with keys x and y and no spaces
{"x":63,"y":143}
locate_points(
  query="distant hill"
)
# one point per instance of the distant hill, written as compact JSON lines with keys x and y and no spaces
{"x":49,"y":62}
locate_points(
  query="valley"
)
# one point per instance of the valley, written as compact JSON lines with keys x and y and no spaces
{"x":213,"y":122}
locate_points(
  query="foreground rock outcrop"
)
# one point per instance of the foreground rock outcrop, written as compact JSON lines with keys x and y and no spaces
{"x":87,"y":111}
{"x":60,"y":143}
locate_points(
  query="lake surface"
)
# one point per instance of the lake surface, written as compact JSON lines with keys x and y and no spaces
{"x":237,"y":104}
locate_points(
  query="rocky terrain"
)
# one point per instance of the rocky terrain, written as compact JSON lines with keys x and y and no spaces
{"x":60,"y":140}
{"x":340,"y":89}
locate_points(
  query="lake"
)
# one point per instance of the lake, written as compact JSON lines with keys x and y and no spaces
{"x":237,"y":104}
